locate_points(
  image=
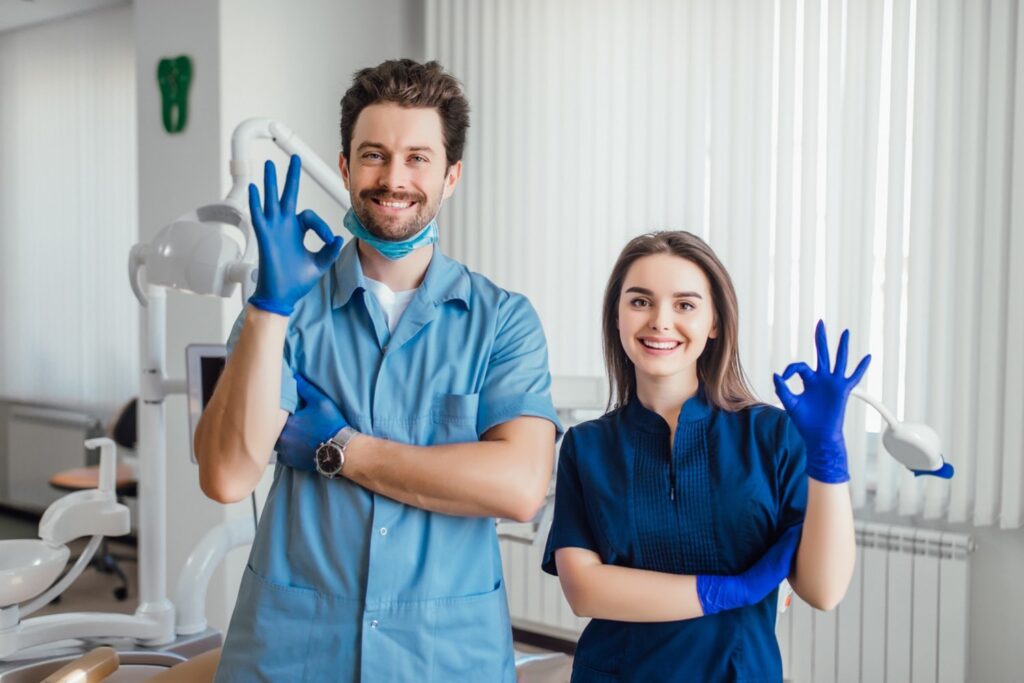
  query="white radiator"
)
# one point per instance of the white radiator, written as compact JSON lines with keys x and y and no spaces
{"x":904,"y":618}
{"x":535,"y":599}
{"x":892,"y":625}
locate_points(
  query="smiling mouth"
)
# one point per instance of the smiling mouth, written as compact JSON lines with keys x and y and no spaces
{"x":393,"y":204}
{"x":660,"y":345}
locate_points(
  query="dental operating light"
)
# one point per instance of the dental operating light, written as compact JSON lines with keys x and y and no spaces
{"x":915,"y":446}
{"x":211,"y":249}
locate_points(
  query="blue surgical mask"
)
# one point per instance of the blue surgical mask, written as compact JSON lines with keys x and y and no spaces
{"x":392,"y":250}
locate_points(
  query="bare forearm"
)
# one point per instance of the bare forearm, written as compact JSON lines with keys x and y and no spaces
{"x":238,"y":429}
{"x":491,"y":478}
{"x":827,"y":552}
{"x":604,"y":591}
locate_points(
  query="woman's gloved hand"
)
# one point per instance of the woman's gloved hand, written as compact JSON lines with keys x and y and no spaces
{"x":316,"y":421}
{"x":720,"y":593}
{"x":818,"y":412}
{"x":287,"y":269}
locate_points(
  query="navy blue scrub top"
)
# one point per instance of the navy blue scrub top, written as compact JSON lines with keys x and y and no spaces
{"x":713,"y":503}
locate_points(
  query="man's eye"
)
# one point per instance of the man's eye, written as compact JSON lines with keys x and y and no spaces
{"x":372,"y":156}
{"x":420,"y":159}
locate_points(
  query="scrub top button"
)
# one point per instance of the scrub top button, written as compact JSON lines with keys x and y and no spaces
{"x":374,"y":623}
{"x":383,"y":531}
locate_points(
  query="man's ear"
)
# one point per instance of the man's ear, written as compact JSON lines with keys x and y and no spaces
{"x":451,"y":179}
{"x":343,"y":167}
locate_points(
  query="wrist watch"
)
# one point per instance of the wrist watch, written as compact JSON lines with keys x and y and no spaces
{"x":330,"y":455}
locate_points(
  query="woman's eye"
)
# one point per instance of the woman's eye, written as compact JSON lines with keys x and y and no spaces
{"x":685,"y":306}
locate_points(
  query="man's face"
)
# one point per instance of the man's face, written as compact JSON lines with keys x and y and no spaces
{"x":397,"y":174}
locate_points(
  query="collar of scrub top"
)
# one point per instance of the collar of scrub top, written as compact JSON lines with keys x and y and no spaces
{"x":696,"y":408}
{"x":445,"y":279}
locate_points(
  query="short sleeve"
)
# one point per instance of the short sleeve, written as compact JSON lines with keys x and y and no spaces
{"x":791,"y":476}
{"x":517,"y":381}
{"x":289,"y":394}
{"x":570,"y":527}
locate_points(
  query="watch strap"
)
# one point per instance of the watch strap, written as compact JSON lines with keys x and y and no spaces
{"x":344,"y":436}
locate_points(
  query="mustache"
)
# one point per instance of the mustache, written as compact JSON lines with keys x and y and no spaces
{"x":384,"y":195}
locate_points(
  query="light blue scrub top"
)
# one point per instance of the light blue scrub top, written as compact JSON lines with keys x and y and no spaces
{"x":344,"y":584}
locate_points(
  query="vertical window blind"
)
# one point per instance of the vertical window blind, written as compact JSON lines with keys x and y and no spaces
{"x":850,"y":161}
{"x":68,"y":211}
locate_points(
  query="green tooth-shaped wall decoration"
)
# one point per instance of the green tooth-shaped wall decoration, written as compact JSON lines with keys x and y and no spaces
{"x":174,"y":76}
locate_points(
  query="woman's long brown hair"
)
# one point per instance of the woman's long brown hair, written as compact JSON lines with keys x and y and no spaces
{"x":718,"y":368}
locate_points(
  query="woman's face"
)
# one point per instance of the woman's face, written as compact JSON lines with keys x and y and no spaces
{"x":666,"y":317}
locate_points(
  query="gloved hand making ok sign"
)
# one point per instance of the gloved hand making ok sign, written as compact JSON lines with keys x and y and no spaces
{"x":287,"y":269}
{"x":818,"y":412}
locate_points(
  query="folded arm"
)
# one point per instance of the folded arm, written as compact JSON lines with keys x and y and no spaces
{"x":506,"y":474}
{"x":603,"y":591}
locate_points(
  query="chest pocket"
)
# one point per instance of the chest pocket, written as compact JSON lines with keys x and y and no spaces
{"x":454,"y":417}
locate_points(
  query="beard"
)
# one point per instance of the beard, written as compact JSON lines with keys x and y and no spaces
{"x":394,"y":229}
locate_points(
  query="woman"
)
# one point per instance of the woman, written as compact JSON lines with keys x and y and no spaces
{"x":663,"y":502}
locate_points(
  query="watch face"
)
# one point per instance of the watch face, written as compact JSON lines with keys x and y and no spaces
{"x":328,"y":459}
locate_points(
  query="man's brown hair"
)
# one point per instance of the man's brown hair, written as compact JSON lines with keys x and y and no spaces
{"x":408,"y":83}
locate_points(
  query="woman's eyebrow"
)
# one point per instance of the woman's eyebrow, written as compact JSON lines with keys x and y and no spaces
{"x":676,"y":295}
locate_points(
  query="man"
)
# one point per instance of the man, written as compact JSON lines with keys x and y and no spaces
{"x":411,"y":409}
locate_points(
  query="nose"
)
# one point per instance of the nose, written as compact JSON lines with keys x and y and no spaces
{"x":661,"y":319}
{"x":393,"y":177}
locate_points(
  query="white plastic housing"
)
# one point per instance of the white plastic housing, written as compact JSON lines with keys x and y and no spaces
{"x":916,"y":446}
{"x":27,"y":568}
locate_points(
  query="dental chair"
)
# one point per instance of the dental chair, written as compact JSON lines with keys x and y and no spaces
{"x":123,"y":432}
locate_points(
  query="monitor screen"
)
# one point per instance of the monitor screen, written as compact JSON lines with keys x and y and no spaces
{"x":203,"y":365}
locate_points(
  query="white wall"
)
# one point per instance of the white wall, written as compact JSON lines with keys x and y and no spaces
{"x":288,"y":61}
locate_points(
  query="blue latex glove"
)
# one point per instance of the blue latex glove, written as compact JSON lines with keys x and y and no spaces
{"x":287,"y":269}
{"x":316,"y":421}
{"x":818,"y":412}
{"x":719,"y":593}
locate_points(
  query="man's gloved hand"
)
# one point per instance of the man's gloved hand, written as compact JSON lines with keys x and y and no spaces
{"x":720,"y":593}
{"x":316,"y":421}
{"x":818,"y":412}
{"x":287,"y":269}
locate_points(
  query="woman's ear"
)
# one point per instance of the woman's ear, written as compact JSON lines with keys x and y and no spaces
{"x":713,"y":334}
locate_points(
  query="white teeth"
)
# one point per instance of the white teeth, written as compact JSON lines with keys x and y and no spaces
{"x":659,"y":345}
{"x":396,"y":205}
